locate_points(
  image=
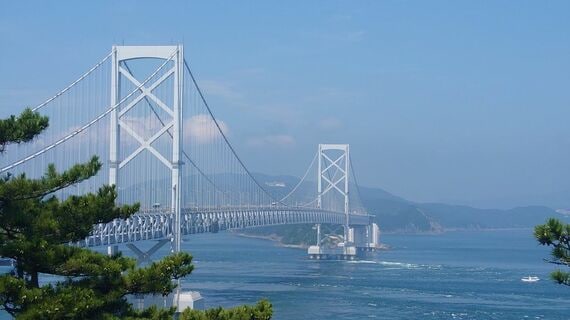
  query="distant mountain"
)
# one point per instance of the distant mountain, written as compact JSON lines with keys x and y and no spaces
{"x":396,"y":214}
{"x":393,"y":213}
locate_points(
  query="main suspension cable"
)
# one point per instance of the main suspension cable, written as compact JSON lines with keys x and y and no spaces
{"x":41,"y":105}
{"x":302,"y":179}
{"x":89,"y":124}
{"x":225,"y":138}
{"x":183,"y":151}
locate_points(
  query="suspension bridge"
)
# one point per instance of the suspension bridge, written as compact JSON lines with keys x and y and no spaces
{"x":141,"y":111}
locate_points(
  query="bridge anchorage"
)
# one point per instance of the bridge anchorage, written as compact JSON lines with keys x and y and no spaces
{"x":141,"y":111}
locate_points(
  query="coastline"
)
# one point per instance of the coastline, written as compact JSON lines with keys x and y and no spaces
{"x":442,"y":231}
{"x":279,"y":240}
{"x":273,"y":237}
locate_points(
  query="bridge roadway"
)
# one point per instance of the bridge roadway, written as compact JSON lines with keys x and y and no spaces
{"x":158,"y":224}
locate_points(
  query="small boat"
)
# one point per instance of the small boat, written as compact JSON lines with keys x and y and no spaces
{"x":530,"y":279}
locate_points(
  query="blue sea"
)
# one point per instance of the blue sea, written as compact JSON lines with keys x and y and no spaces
{"x":454,"y":275}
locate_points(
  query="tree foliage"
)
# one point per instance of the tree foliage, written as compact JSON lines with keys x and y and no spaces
{"x":36,"y":229}
{"x":263,"y":310}
{"x":22,"y":128}
{"x":556,"y":234}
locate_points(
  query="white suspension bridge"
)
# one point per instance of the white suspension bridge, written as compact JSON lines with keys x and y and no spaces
{"x":141,"y":111}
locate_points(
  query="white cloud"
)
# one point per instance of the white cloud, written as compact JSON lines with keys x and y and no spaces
{"x":199,"y":129}
{"x":280,"y":140}
{"x":144,"y":127}
{"x":202,"y":129}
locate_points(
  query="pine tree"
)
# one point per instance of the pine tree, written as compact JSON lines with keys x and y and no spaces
{"x":556,"y":234}
{"x":261,"y":311}
{"x":36,"y":229}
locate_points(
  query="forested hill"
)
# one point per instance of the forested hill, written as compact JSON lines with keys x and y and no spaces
{"x":395,"y":214}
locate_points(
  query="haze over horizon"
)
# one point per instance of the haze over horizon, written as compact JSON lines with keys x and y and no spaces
{"x":457,"y":102}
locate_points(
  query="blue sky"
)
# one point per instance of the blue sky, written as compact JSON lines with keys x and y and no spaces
{"x":465,"y":102}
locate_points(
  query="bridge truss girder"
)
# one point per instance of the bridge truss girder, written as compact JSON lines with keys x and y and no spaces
{"x":160,"y":225}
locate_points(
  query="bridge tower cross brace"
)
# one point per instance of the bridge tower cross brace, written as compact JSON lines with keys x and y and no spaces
{"x":174,"y":69}
{"x":330,"y":159}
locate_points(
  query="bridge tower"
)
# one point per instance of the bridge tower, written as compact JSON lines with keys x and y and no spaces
{"x":170,"y":105}
{"x":332,"y":180}
{"x":334,"y":157}
{"x":171,"y":129}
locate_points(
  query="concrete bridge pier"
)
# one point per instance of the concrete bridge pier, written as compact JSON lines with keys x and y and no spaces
{"x":141,"y":256}
{"x":112,"y":250}
{"x":145,"y":256}
{"x":360,"y":239}
{"x":340,"y":252}
{"x":366,"y":238}
{"x":178,"y":298}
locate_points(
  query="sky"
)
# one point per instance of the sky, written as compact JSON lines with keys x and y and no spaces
{"x":464,"y":102}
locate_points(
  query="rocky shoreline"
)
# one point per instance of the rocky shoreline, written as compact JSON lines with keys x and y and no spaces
{"x":278,"y":240}
{"x":273,"y":237}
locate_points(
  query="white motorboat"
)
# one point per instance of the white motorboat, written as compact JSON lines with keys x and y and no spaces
{"x":530,"y":279}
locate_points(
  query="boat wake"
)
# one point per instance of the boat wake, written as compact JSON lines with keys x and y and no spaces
{"x":396,"y":265}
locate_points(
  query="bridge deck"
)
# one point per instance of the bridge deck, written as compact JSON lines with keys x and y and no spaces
{"x":157,"y":224}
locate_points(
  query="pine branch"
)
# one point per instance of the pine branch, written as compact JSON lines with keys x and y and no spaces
{"x":556,"y":234}
{"x":157,"y":278}
{"x":22,"y":188}
{"x":36,"y":228}
{"x":22,"y":128}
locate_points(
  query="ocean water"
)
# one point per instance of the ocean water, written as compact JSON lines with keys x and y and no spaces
{"x":455,"y":275}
